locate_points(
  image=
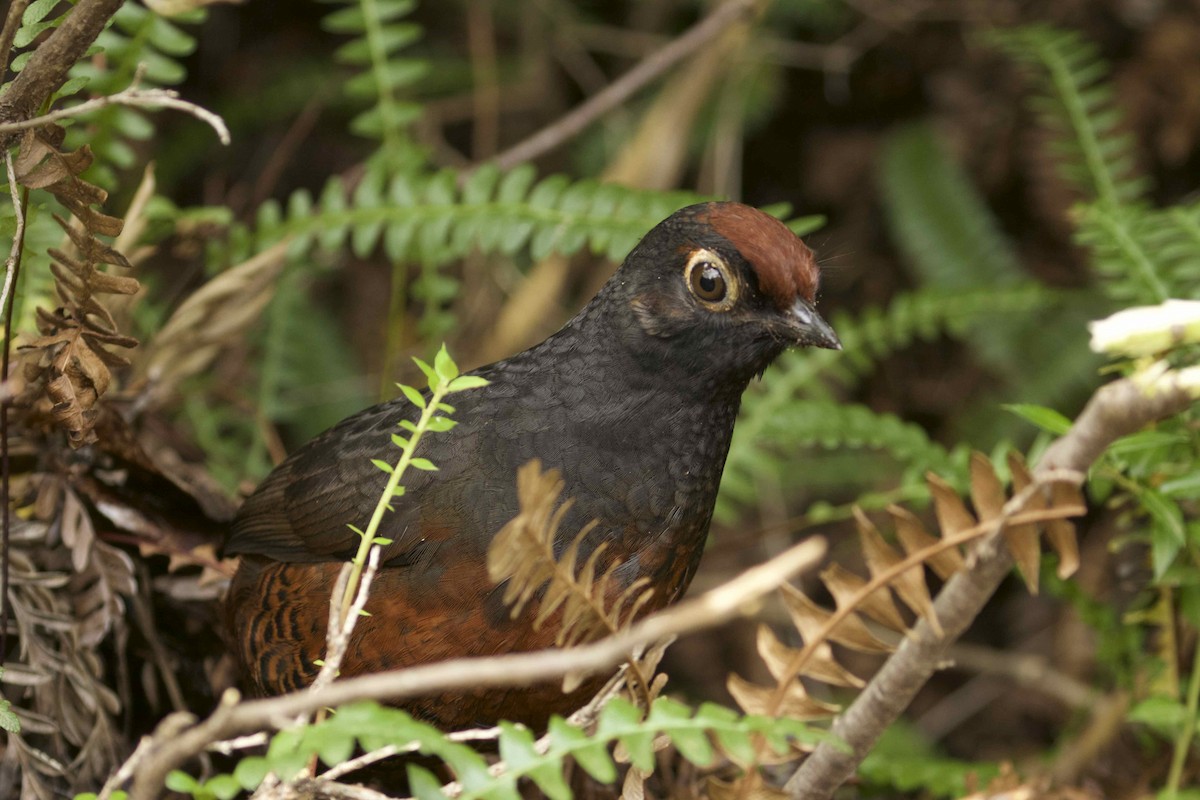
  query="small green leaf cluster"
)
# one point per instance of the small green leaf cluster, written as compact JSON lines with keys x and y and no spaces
{"x":444,"y":379}
{"x":700,"y":735}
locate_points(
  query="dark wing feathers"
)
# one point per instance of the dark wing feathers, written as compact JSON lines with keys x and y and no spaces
{"x":301,"y":511}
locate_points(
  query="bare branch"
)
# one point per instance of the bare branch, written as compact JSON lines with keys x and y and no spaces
{"x":620,"y":90}
{"x":739,"y":596}
{"x":1115,"y":410}
{"x":132,"y":96}
{"x":10,"y":264}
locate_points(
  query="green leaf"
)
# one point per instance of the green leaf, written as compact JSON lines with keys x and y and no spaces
{"x":383,"y":465}
{"x":399,"y":440}
{"x":595,"y":761}
{"x":803,"y":226}
{"x":1047,"y":419}
{"x":1164,"y":714}
{"x":423,"y":784}
{"x":464,"y":382}
{"x":444,"y":365}
{"x":517,"y":747}
{"x":179,"y":781}
{"x":413,"y":395}
{"x":225,"y":787}
{"x":8,"y":720}
{"x":440,"y":424}
{"x":423,"y":464}
{"x":430,"y":374}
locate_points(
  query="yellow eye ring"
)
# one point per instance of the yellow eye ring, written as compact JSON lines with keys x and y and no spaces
{"x":710,"y":281}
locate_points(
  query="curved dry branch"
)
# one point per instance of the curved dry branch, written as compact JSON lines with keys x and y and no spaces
{"x":1116,"y":410}
{"x":179,"y":737}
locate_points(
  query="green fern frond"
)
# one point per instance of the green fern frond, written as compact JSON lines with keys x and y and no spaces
{"x":952,"y":241}
{"x":923,"y":315}
{"x":1076,"y":103}
{"x":36,"y":283}
{"x":831,"y":425}
{"x":1144,"y":255}
{"x":136,"y":38}
{"x":793,"y":407}
{"x":379,"y":35}
{"x":699,"y":736}
{"x":945,"y":230}
{"x":427,"y":218}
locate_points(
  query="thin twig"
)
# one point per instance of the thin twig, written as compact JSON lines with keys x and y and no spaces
{"x":7,"y":297}
{"x":341,"y":623}
{"x":620,"y":90}
{"x":132,"y":96}
{"x":1115,"y":410}
{"x":736,"y":597}
{"x":14,"y":253}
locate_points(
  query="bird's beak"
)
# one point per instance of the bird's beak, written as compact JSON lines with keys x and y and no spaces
{"x":809,"y":328}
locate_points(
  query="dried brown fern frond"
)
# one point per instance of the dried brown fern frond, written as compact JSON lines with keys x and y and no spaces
{"x":64,"y":601}
{"x":69,"y":364}
{"x":591,"y":603}
{"x":1044,"y":506}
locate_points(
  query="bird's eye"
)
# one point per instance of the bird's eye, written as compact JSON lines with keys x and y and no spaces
{"x":709,"y":280}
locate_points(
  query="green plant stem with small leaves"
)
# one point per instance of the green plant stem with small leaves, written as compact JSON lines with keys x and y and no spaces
{"x":443,"y":380}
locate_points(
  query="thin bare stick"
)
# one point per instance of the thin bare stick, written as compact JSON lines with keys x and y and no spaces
{"x":620,"y":90}
{"x":738,"y":596}
{"x":337,"y":635}
{"x":10,"y":265}
{"x":1115,"y":410}
{"x":132,"y":96}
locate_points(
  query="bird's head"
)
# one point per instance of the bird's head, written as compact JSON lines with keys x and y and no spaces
{"x":723,"y":286}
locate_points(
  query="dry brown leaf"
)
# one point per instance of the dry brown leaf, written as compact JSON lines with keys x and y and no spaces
{"x":913,"y":535}
{"x":1020,"y":472}
{"x":72,"y":361}
{"x":987,"y":492}
{"x":909,"y":584}
{"x":1022,"y":539}
{"x":56,"y":168}
{"x":793,"y":702}
{"x":590,"y":603}
{"x":77,"y":530}
{"x":878,"y":605}
{"x":1061,"y":533}
{"x":820,"y":664}
{"x":851,"y":632}
{"x":214,"y":316}
{"x":952,"y":515}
